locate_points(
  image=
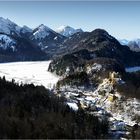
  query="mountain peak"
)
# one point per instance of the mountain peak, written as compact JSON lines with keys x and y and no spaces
{"x":101,"y":34}
{"x":67,"y":31}
{"x":99,"y":31}
{"x":7,"y":26}
{"x":42,"y":27}
{"x":64,"y":26}
{"x":3,"y":19}
{"x":6,"y":21}
{"x":42,"y":31}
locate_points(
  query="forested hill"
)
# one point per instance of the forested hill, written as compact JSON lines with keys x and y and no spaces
{"x":29,"y":111}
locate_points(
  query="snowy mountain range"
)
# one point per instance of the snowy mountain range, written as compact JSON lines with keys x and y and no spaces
{"x":15,"y":44}
{"x":134,"y":45}
{"x":10,"y":28}
{"x":42,"y":38}
{"x":67,"y":31}
{"x":40,"y":32}
{"x":42,"y":41}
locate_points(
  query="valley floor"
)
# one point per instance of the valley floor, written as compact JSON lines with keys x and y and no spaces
{"x":35,"y":72}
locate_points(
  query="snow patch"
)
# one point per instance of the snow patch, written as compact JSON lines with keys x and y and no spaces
{"x":55,"y":38}
{"x":94,"y":67}
{"x":73,"y":106}
{"x":6,"y":42}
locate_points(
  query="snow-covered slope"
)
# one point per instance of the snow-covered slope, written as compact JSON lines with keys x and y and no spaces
{"x":9,"y":27}
{"x":29,"y":72}
{"x":134,"y":45}
{"x":47,"y":39}
{"x":42,"y":31}
{"x":7,"y":42}
{"x":67,"y":30}
{"x":26,"y":29}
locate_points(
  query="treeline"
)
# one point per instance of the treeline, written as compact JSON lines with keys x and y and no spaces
{"x":28,"y":111}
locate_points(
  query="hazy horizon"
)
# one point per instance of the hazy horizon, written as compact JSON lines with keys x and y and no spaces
{"x":120,"y":19}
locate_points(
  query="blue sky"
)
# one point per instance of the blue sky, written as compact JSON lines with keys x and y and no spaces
{"x":120,"y":19}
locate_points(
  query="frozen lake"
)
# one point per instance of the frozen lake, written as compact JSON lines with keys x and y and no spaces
{"x":133,"y":69}
{"x":29,"y":72}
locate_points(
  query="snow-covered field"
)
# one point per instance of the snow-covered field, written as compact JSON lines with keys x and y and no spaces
{"x":132,"y":69}
{"x":29,"y":72}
